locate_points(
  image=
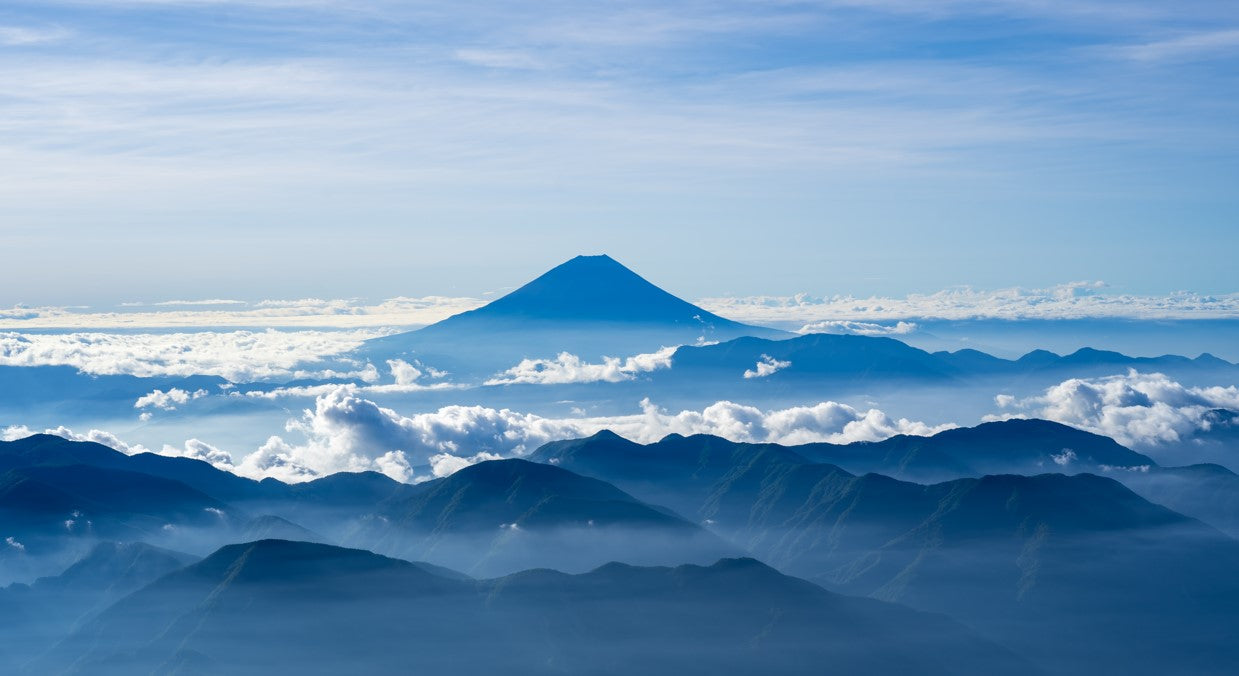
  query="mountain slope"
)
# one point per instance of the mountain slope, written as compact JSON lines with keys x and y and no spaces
{"x":590,"y":306}
{"x":1014,"y":446}
{"x":504,"y":515}
{"x":314,"y":609}
{"x":1006,"y":447}
{"x":854,"y":359}
{"x":33,"y":617}
{"x":1028,"y":560}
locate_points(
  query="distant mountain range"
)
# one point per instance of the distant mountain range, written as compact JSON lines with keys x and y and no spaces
{"x":1008,"y":447}
{"x":591,"y":307}
{"x":846,"y":358}
{"x":491,"y":518}
{"x":1027,"y":560}
{"x":505,"y":515}
{"x":1024,"y":560}
{"x":34,"y":617}
{"x":325,"y":610}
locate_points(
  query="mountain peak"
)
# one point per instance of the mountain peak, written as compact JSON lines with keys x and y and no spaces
{"x":589,"y":306}
{"x":597,"y":288}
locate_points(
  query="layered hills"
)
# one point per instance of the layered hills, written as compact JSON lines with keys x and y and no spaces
{"x":321,"y":609}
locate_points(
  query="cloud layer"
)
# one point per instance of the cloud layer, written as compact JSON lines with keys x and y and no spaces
{"x":1143,"y":410}
{"x":219,"y":313}
{"x":1077,"y":300}
{"x":239,"y":356}
{"x":347,"y":432}
{"x":834,"y":314}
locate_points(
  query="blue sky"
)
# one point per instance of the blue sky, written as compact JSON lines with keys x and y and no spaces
{"x":285,"y":148}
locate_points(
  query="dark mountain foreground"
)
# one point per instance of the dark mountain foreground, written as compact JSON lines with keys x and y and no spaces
{"x":1080,"y":563}
{"x":290,"y":607}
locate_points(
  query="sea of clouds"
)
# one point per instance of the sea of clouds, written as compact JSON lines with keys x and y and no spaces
{"x":345,"y":431}
{"x":239,"y":356}
{"x":1076,"y":300}
{"x":833,"y":314}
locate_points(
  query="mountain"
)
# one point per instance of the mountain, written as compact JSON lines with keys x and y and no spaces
{"x":1029,"y":561}
{"x":818,"y":357}
{"x":98,"y":502}
{"x":491,"y":518}
{"x":46,"y":450}
{"x":302,"y":608}
{"x":331,"y":502}
{"x":33,"y":617}
{"x":1207,"y":492}
{"x":504,"y":515}
{"x":1014,"y":446}
{"x":590,"y":306}
{"x":1006,"y":447}
{"x":680,"y":472}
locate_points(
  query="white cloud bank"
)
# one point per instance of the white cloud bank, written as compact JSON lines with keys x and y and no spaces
{"x":1137,"y":409}
{"x":833,"y":314}
{"x":346,"y":432}
{"x":569,"y":368}
{"x":239,"y":356}
{"x":219,"y":313}
{"x":1076,"y":300}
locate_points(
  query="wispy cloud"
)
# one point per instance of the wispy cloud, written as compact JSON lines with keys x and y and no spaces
{"x":1076,"y":300}
{"x":24,"y":36}
{"x":307,"y":312}
{"x":1193,"y":45}
{"x":208,"y":301}
{"x":318,"y":113}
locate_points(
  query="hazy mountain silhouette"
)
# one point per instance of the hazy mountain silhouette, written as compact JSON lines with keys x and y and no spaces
{"x":1207,"y":492}
{"x":305,"y":608}
{"x":100,"y":502}
{"x":46,"y":450}
{"x":589,"y":306}
{"x":491,"y":518}
{"x":504,"y":515}
{"x":1012,"y":447}
{"x":848,"y":358}
{"x":35,"y":616}
{"x":1028,"y":560}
